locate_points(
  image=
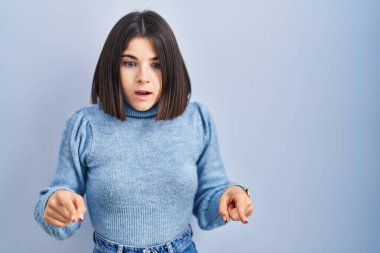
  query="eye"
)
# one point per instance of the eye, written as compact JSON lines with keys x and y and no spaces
{"x":156,"y":65}
{"x":129,"y":64}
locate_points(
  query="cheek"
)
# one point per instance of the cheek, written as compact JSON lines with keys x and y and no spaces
{"x":159,"y":80}
{"x":126,"y":79}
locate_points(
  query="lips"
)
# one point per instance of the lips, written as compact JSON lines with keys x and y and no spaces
{"x":142,"y":92}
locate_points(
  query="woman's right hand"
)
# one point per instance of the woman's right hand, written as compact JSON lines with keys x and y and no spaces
{"x":63,"y":207}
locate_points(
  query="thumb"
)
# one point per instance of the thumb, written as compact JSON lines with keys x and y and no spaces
{"x":241,"y":211}
{"x":79,"y":206}
{"x":72,"y":210}
{"x":223,"y":208}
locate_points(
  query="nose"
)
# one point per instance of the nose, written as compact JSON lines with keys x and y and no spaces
{"x":143,"y":75}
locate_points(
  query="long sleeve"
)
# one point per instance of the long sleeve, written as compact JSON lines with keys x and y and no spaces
{"x":212,"y":177}
{"x":70,"y":171}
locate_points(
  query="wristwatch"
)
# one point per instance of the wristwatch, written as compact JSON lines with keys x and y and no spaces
{"x":245,"y":188}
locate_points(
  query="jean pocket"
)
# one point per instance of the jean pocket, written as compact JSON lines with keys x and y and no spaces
{"x":96,"y":250}
{"x":104,"y":246}
{"x":190,"y":248}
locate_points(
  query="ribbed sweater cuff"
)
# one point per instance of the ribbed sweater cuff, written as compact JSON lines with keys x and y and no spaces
{"x":39,"y":210}
{"x":213,"y":210}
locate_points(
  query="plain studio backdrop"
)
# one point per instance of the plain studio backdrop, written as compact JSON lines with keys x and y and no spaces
{"x":293,"y":86}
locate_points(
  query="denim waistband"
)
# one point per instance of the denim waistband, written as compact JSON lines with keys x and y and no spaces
{"x":178,"y":244}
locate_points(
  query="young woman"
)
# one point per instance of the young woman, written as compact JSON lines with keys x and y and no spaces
{"x":146,"y":157}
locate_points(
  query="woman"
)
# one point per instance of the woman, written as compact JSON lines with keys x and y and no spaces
{"x":145,"y":156}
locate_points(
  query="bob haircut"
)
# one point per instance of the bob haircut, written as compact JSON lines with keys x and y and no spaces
{"x":176,"y":86}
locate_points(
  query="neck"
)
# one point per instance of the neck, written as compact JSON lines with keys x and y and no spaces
{"x":132,"y":112}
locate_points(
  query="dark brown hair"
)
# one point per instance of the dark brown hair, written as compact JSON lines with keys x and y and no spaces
{"x":176,"y":86}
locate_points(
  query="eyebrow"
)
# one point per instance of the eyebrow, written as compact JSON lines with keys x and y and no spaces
{"x":134,"y":57}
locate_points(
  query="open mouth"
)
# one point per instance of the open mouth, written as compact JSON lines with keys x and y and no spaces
{"x":143,"y":94}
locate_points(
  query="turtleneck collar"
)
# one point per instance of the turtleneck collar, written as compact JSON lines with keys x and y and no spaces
{"x":132,"y":112}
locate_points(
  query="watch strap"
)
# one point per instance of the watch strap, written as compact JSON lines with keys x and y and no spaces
{"x":245,"y":188}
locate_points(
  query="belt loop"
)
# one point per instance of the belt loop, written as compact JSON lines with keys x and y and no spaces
{"x":191,"y":230}
{"x":120,"y":248}
{"x":170,"y":248}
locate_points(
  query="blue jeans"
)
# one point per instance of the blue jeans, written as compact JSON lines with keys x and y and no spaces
{"x":181,"y":244}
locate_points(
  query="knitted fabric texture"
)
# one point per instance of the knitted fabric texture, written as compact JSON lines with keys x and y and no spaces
{"x":142,"y":180}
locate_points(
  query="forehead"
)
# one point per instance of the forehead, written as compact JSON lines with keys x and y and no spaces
{"x":141,"y":47}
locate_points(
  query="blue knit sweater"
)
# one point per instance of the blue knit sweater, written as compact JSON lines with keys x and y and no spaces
{"x":142,"y":179}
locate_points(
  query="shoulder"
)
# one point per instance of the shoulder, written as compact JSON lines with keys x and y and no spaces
{"x":201,"y":111}
{"x":201,"y":116}
{"x":79,"y":116}
{"x":199,"y":108}
{"x":87,"y":109}
{"x":80,"y":112}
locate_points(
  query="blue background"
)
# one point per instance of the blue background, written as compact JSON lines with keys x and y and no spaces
{"x":293,"y":86}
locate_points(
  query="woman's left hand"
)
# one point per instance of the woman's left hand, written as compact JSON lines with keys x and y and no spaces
{"x":235,"y":204}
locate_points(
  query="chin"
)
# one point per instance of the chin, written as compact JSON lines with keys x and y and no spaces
{"x":142,"y":106}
